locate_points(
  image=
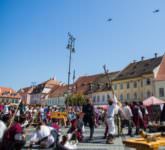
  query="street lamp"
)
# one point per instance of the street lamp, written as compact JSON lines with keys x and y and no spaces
{"x":70,"y":47}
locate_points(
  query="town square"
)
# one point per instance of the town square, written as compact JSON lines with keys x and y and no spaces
{"x":82,"y":75}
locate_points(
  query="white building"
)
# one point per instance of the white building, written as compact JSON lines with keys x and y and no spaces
{"x":41,"y":92}
{"x":57,"y":96}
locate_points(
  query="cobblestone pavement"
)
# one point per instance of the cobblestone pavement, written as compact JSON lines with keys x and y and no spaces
{"x":98,"y":143}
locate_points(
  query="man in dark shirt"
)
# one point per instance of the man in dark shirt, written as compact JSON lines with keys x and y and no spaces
{"x":89,"y":116}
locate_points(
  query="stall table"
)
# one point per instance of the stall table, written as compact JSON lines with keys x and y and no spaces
{"x":142,"y":144}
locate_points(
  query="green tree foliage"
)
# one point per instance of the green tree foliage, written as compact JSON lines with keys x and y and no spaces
{"x":75,"y":100}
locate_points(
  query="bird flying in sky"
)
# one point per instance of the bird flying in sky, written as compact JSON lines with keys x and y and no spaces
{"x":156,"y":11}
{"x":110,"y":19}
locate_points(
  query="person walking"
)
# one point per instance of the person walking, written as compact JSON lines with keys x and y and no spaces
{"x":89,"y":116}
{"x":110,"y":121}
{"x":128,"y":116}
{"x":137,"y":116}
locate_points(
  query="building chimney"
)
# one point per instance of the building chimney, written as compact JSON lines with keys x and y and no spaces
{"x":142,"y":58}
{"x":156,"y":55}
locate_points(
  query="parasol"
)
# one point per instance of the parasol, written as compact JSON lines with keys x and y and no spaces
{"x":153,"y":101}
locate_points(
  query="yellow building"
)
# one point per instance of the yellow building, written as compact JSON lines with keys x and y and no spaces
{"x":137,"y":81}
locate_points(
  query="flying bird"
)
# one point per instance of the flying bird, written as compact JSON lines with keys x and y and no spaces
{"x":156,"y":11}
{"x":109,"y":20}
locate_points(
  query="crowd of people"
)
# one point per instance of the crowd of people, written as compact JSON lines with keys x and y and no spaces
{"x":14,"y":121}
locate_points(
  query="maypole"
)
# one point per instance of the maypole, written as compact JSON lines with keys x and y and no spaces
{"x":118,"y":121}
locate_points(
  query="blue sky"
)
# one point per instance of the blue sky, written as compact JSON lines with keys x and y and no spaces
{"x":33,"y":37}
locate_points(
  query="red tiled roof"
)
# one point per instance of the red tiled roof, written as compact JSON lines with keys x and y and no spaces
{"x":6,"y":89}
{"x":161,"y":72}
{"x":26,"y":90}
{"x":6,"y":92}
{"x":82,"y":83}
{"x":59,"y":91}
{"x":47,"y":84}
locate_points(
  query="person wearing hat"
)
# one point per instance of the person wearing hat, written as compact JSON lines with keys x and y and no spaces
{"x":110,"y":114}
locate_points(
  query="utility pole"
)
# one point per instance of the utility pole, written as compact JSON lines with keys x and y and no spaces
{"x":74,"y":75}
{"x":70,"y":47}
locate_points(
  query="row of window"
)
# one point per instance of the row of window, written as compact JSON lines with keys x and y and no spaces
{"x":135,"y":83}
{"x":98,"y":98}
{"x":3,"y":100}
{"x":135,"y":96}
{"x":103,"y":98}
{"x":55,"y":102}
{"x":148,"y":94}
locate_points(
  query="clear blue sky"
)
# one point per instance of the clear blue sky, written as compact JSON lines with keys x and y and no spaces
{"x":33,"y":37}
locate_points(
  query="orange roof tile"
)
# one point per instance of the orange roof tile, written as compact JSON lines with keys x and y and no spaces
{"x":6,"y":92}
{"x":161,"y":72}
{"x":82,"y":83}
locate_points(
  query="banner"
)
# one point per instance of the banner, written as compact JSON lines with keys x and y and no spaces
{"x":58,"y":115}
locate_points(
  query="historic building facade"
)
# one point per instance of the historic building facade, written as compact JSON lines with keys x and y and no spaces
{"x":57,"y":96}
{"x":8,"y":95}
{"x":137,"y":81}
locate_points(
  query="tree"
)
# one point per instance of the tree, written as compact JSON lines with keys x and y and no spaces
{"x":75,"y":99}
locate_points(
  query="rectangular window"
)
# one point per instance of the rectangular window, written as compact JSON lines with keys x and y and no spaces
{"x":115,"y":86}
{"x":98,"y":98}
{"x":103,"y":98}
{"x":94,"y":98}
{"x":141,"y":83}
{"x":108,"y":96}
{"x":161,"y":92}
{"x":128,"y":96}
{"x":121,"y":85}
{"x":127,"y":85}
{"x":121,"y":97}
{"x":135,"y":84}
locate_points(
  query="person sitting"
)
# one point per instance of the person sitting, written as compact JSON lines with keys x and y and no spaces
{"x":43,"y":136}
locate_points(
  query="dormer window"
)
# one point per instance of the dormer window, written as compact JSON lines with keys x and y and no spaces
{"x":82,"y":84}
{"x":148,"y":81}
